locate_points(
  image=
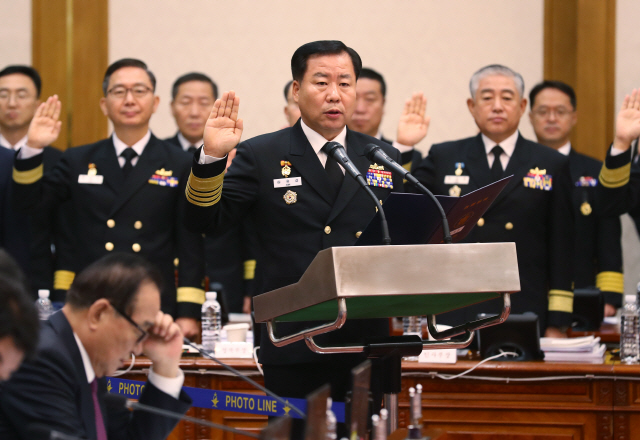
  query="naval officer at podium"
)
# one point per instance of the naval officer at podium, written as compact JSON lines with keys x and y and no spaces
{"x":300,"y":200}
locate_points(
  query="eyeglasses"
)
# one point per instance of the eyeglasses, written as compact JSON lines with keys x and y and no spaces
{"x":20,"y":95}
{"x":143,"y":333}
{"x":120,"y":92}
{"x":560,"y":112}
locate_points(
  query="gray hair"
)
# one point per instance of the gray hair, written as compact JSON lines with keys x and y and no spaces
{"x":495,"y":69}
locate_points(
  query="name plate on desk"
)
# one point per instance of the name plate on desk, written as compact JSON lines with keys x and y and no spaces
{"x":439,"y":356}
{"x":238,"y":350}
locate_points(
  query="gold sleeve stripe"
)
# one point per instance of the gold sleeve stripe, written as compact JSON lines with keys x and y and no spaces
{"x":28,"y":177}
{"x":615,"y":178}
{"x":560,"y":301}
{"x":249,"y":269}
{"x":62,"y":279}
{"x":610,"y":282}
{"x":190,"y":294}
{"x":407,"y":166}
{"x":204,"y":192}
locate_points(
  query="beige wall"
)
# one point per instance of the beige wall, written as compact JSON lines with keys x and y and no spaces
{"x":15,"y":32}
{"x":246,"y":45}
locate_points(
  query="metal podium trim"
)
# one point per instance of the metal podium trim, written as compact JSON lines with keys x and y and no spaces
{"x":324,"y":328}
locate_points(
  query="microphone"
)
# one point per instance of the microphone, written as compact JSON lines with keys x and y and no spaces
{"x":116,"y":401}
{"x":377,"y":155}
{"x":207,"y":354}
{"x":42,"y":431}
{"x":337,"y":152}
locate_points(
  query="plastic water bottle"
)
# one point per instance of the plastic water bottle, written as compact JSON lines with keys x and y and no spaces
{"x":332,"y":423}
{"x":629,"y":341}
{"x":211,"y":322}
{"x":43,"y":304}
{"x":411,"y":325}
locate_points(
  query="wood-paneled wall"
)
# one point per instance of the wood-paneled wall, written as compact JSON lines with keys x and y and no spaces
{"x":579,"y":49}
{"x":70,"y":50}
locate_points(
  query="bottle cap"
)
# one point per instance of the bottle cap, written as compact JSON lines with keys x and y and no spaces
{"x":43,"y":293}
{"x":210,"y":296}
{"x":630,"y":299}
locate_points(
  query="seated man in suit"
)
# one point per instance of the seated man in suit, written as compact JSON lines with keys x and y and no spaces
{"x":112,"y":310}
{"x":126,"y":191}
{"x":533,"y":210}
{"x":598,"y":251}
{"x":371,"y":92}
{"x":18,"y":318}
{"x":192,"y":96}
{"x":29,"y":238}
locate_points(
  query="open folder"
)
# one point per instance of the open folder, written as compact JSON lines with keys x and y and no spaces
{"x":415,"y":218}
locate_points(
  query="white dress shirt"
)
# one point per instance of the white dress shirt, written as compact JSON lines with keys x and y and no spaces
{"x":397,"y":145}
{"x":565,"y":149}
{"x":186,"y":144}
{"x":138,"y":147}
{"x":6,"y":144}
{"x":508,"y":145}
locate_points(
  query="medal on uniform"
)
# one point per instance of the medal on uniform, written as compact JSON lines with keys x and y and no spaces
{"x":286,"y":168}
{"x":290,"y":197}
{"x":538,"y":179}
{"x":585,"y":208}
{"x":455,"y":191}
{"x":92,"y":170}
{"x":459,"y":167}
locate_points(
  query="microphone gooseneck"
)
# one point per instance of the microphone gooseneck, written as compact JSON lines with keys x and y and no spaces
{"x":207,"y":354}
{"x":337,"y":152}
{"x":377,"y":155}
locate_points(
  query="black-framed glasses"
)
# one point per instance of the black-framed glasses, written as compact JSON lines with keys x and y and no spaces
{"x":138,"y":91}
{"x":143,"y":333}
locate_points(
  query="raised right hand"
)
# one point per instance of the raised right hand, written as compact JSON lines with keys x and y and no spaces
{"x":628,"y":121}
{"x":45,"y":125}
{"x":223,"y":129}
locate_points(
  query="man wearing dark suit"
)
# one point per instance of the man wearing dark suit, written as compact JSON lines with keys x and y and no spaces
{"x":31,"y":236}
{"x":112,"y":310}
{"x":534,"y":209}
{"x":193,"y":95}
{"x":126,"y":190}
{"x":322,"y":208}
{"x":598,"y":251}
{"x":371,"y":92}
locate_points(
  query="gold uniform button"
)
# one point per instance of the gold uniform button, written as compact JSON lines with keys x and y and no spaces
{"x":111,"y":223}
{"x":358,"y":234}
{"x":508,"y":226}
{"x":327,"y":230}
{"x":481,"y":222}
{"x":176,"y":262}
{"x":108,"y":246}
{"x":138,"y":225}
{"x":135,"y":247}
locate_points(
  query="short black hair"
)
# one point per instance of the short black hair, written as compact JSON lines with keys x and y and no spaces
{"x":126,"y":62}
{"x":324,"y":47}
{"x":116,"y":277}
{"x":27,"y":71}
{"x":558,"y":85}
{"x":18,"y":314}
{"x":372,"y":74}
{"x":193,"y":76}
{"x":286,"y":90}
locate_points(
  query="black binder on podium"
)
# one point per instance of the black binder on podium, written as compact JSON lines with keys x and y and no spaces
{"x":415,"y":219}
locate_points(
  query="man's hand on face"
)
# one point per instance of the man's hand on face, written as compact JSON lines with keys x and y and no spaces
{"x":45,"y":125}
{"x":628,"y":121}
{"x":413,"y":124}
{"x":223,"y":129}
{"x":164,"y":346}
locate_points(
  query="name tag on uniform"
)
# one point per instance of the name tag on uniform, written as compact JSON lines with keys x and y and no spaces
{"x":456,"y":180}
{"x":283,"y":183}
{"x":90,"y":179}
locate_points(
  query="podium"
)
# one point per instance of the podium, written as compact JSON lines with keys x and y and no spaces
{"x":359,"y":282}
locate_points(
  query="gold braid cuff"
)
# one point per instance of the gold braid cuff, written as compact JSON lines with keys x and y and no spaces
{"x":560,"y":301}
{"x":190,"y":294}
{"x":204,"y":192}
{"x":610,"y":282}
{"x":28,"y":177}
{"x":249,"y":269}
{"x":62,"y":279}
{"x":615,"y":178}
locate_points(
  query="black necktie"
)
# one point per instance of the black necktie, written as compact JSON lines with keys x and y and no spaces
{"x":128,"y":155}
{"x":192,"y":149}
{"x":496,"y":168}
{"x":334,"y":173}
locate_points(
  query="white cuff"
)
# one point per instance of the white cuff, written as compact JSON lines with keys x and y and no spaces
{"x":617,"y":152}
{"x":204,"y":159}
{"x":168,"y":385}
{"x":401,"y":148}
{"x":27,"y":152}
